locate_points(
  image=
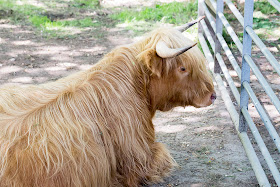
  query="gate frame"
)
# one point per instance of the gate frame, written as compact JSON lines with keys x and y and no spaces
{"x":214,"y":27}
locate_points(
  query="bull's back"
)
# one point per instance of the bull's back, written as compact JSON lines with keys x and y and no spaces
{"x":45,"y":142}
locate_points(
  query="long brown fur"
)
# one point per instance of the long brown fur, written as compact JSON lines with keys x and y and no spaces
{"x":94,"y":128}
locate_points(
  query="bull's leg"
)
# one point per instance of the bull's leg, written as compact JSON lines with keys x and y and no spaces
{"x":156,"y":165}
{"x":160,"y":164}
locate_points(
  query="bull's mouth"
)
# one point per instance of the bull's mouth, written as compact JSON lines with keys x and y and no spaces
{"x":209,"y":100}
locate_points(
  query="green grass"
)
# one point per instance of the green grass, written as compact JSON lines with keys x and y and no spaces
{"x":139,"y":20}
{"x":230,"y":17}
{"x":20,"y":11}
{"x":144,"y":19}
{"x":24,"y":8}
{"x":264,"y":7}
{"x":86,"y":3}
{"x":264,"y":23}
{"x":25,"y":13}
{"x":61,"y":28}
{"x":175,"y":13}
{"x":45,"y":22}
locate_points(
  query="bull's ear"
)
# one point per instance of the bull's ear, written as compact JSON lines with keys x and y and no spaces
{"x":150,"y":58}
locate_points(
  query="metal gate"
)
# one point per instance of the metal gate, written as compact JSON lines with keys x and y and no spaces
{"x":212,"y":29}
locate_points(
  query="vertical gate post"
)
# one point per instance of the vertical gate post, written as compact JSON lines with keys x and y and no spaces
{"x":219,"y":29}
{"x":245,"y":70}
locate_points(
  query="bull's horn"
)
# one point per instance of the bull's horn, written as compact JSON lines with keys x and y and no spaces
{"x":165,"y":52}
{"x":182,"y":28}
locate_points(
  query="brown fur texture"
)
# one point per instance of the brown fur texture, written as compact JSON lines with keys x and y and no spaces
{"x":94,"y":128}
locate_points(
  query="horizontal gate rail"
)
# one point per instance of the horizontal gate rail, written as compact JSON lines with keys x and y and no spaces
{"x":260,"y":175}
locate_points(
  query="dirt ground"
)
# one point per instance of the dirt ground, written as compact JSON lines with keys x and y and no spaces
{"x":203,"y":141}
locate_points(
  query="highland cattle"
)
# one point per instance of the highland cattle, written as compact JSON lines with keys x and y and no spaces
{"x":94,"y":128}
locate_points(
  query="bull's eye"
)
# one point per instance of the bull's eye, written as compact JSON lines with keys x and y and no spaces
{"x":182,"y":68}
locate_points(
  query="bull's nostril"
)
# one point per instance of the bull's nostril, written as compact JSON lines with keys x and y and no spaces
{"x":213,"y":96}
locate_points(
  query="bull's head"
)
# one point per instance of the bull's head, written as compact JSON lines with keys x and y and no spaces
{"x":179,"y":76}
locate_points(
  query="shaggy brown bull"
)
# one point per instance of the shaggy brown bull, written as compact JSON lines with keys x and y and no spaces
{"x":95,"y":128}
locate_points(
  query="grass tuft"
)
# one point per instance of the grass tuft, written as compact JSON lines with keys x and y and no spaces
{"x":45,"y":22}
{"x":175,"y":13}
{"x":264,"y":23}
{"x":22,"y":12}
{"x":86,"y":3}
{"x":62,"y":28}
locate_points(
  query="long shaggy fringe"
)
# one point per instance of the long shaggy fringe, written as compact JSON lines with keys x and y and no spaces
{"x":93,"y":128}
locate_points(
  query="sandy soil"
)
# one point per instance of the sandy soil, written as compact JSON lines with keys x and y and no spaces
{"x":203,"y":141}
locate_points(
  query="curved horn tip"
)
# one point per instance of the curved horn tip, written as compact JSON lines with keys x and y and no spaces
{"x":184,"y":27}
{"x":194,"y":44}
{"x":186,"y":49}
{"x":200,"y":18}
